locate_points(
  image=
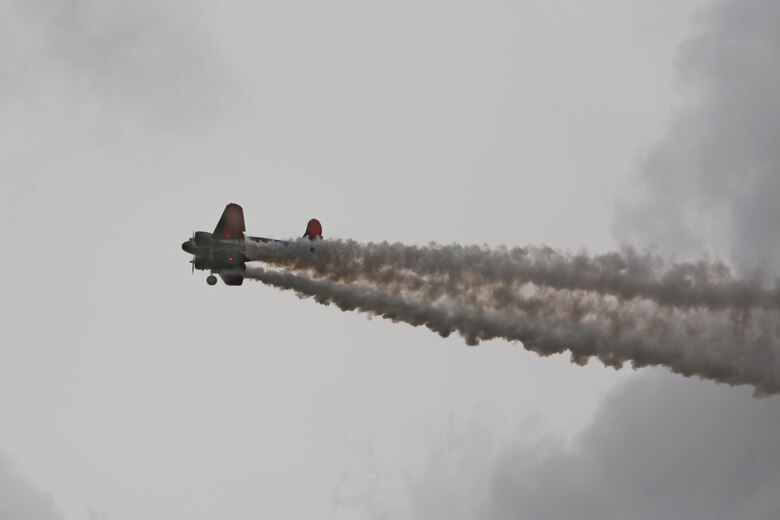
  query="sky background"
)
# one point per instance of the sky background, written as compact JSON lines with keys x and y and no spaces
{"x":131,"y":389}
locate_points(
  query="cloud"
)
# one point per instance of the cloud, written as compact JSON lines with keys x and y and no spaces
{"x":713,"y":181}
{"x":663,"y":446}
{"x":141,"y":59}
{"x":660,"y":447}
{"x":20,"y":500}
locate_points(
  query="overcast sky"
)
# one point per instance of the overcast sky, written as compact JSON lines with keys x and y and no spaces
{"x":130,"y":389}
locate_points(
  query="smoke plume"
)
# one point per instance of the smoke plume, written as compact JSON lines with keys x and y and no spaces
{"x":695,"y":319}
{"x":466,"y":271}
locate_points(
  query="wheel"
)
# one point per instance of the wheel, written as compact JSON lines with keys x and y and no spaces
{"x":211,"y":279}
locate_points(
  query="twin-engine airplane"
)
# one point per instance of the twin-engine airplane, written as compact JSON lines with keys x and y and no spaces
{"x":223,"y":252}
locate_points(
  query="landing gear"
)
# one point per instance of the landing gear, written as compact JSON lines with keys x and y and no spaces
{"x":211,"y":279}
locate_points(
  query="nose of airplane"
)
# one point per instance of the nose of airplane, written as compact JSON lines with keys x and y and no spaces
{"x":188,"y":246}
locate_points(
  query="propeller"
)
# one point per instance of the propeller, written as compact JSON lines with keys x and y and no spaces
{"x":193,"y":260}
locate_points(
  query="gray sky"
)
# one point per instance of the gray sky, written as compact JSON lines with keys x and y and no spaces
{"x":129,"y":389}
{"x":714,"y":174}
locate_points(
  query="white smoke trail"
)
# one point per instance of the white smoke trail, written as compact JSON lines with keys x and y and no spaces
{"x":468,"y":270}
{"x":720,"y":345}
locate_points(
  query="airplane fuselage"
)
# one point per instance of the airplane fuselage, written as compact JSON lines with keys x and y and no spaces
{"x":223,"y":252}
{"x":215,"y":254}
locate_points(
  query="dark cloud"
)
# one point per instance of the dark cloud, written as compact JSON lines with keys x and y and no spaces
{"x":20,"y":500}
{"x":713,"y":181}
{"x":661,"y":447}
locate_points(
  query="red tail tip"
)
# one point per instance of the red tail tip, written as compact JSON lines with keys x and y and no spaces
{"x":313,"y":229}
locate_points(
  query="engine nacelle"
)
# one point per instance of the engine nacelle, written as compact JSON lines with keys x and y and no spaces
{"x":202,"y":237}
{"x":201,"y":264}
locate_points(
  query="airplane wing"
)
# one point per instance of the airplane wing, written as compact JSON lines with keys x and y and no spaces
{"x":313,"y":232}
{"x":232,"y":278}
{"x":263,"y":240}
{"x":231,"y":224}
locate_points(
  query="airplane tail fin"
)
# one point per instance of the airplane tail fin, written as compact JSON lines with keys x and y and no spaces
{"x":313,"y":229}
{"x":231,"y":224}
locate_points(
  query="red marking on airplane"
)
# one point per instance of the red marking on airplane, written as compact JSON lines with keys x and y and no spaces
{"x":313,"y":229}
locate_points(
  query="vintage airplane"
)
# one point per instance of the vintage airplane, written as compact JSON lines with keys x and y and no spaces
{"x":223,"y":252}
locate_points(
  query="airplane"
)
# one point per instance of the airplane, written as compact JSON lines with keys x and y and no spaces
{"x":223,"y":252}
